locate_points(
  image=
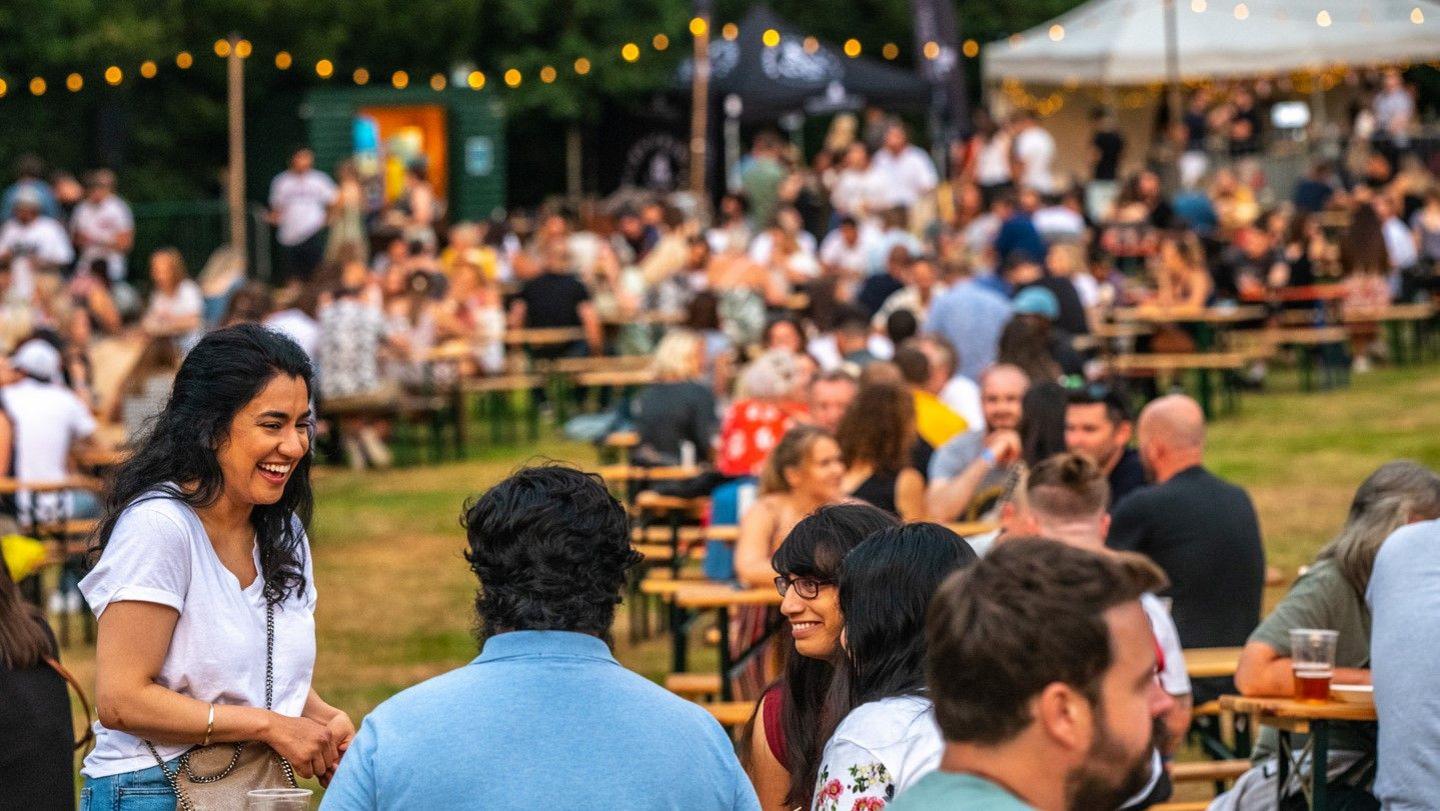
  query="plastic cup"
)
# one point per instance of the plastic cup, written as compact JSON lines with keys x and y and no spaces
{"x":1312,"y":658}
{"x":278,"y":799}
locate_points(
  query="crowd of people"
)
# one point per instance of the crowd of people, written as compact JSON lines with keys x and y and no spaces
{"x":855,"y":351}
{"x":1043,"y":670}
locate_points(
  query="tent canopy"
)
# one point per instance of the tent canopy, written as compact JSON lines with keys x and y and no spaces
{"x":786,"y":78}
{"x":1122,"y":42}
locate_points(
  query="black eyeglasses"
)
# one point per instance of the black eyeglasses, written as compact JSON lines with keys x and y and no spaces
{"x":807,"y":587}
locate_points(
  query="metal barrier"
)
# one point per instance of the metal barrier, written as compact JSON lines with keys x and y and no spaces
{"x":195,"y":228}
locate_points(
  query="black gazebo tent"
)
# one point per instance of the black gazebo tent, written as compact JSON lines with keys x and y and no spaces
{"x":771,"y":81}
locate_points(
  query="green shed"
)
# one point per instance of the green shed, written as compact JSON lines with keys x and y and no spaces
{"x":459,"y":133}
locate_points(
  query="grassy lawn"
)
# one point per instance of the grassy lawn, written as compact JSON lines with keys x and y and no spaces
{"x":396,"y":596}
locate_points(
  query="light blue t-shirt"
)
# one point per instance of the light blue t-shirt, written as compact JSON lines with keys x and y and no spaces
{"x":971,"y":318}
{"x":943,"y":791}
{"x":1404,"y":598}
{"x":541,"y":719}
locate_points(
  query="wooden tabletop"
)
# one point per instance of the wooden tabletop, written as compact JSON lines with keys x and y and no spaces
{"x":710,"y":595}
{"x":1173,"y":362}
{"x":1205,"y":663}
{"x":1294,"y":715}
{"x":1188,"y":315}
{"x":1394,"y":312}
{"x":623,"y":473}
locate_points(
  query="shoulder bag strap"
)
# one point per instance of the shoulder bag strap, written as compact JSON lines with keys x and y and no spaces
{"x":89,"y":735}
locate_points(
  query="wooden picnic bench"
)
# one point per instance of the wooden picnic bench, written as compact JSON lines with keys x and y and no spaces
{"x":1169,"y":365}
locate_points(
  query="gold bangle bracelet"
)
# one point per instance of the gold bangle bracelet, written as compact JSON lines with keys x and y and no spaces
{"x":209,"y":726}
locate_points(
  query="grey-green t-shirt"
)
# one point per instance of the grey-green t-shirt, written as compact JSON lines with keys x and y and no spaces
{"x":942,"y":791}
{"x":1321,"y":598}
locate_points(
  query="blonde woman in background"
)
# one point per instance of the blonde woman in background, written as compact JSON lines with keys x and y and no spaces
{"x":677,"y":408}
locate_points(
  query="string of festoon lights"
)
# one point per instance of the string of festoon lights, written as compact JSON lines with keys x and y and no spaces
{"x":328,"y":68}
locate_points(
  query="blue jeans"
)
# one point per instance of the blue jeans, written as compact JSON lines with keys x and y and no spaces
{"x":145,"y":790}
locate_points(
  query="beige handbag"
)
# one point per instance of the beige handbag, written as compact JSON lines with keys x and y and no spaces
{"x":217,"y":777}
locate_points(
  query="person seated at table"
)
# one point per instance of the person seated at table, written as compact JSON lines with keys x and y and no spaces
{"x":677,"y":408}
{"x":887,"y":739}
{"x":1200,"y":529}
{"x":760,"y":414}
{"x":472,"y":311}
{"x":557,"y":299}
{"x":1066,"y":498}
{"x":784,"y":334}
{"x":1330,"y":595}
{"x":875,"y":439}
{"x":176,"y":302}
{"x":1404,"y":599}
{"x":1098,"y":426}
{"x":936,"y":422}
{"x":1182,"y":281}
{"x":978,"y":463}
{"x":830,"y":395}
{"x":1041,"y":667}
{"x":544,"y":717}
{"x":1035,"y":323}
{"x":802,"y":474}
{"x":780,"y":746}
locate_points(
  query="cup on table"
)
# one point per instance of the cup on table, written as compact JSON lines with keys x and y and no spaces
{"x":1312,"y":657}
{"x":278,"y":799}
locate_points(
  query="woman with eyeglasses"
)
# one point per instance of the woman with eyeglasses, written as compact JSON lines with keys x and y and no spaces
{"x":888,"y":738}
{"x":781,"y":745}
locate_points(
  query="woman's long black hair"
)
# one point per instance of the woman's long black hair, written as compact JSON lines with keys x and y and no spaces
{"x":219,"y":377}
{"x":885,"y":588}
{"x":814,"y":548}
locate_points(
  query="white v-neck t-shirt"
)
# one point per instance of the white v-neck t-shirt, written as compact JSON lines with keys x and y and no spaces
{"x":159,"y":553}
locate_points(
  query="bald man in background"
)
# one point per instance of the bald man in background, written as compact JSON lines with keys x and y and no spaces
{"x":1201,"y":530}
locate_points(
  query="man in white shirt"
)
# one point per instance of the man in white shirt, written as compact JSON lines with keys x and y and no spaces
{"x":1399,"y":240}
{"x":300,"y":199}
{"x":48,"y":421}
{"x":845,"y":252}
{"x":1066,"y":498}
{"x":1034,"y":152}
{"x":903,"y":172}
{"x":32,"y":243}
{"x":102,"y":225}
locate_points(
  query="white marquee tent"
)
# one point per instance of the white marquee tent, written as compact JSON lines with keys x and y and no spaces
{"x":1123,"y":42}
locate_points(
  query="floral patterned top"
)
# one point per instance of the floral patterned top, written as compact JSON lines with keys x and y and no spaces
{"x":879,"y":750}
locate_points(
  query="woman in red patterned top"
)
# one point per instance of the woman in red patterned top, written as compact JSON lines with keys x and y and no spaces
{"x":761,"y":414}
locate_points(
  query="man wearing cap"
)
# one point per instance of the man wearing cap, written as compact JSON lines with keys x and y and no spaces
{"x":103,"y":227}
{"x":48,"y":422}
{"x":1037,"y":302}
{"x":32,"y":243}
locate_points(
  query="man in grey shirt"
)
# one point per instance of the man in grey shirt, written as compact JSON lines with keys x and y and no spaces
{"x":1404,"y":599}
{"x":976,"y":462}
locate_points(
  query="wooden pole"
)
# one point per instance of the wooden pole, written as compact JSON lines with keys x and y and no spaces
{"x":1172,"y":63}
{"x":574,"y":150}
{"x":700,"y":104}
{"x":235,"y":177}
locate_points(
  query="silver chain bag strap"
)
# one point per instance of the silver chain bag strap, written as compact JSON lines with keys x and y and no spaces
{"x":249,"y":765}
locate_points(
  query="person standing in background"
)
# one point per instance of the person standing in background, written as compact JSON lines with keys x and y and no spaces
{"x":300,"y":199}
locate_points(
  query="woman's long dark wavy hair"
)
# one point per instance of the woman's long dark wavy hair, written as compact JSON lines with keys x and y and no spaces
{"x":176,"y":455}
{"x":885,"y":588}
{"x":814,"y":548}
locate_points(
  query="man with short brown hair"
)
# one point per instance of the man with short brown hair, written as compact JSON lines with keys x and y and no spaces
{"x":1041,"y":665}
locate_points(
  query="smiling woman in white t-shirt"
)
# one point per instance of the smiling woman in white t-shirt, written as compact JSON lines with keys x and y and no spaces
{"x":201,"y":546}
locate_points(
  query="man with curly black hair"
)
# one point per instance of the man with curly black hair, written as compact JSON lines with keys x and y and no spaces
{"x":545,"y":717}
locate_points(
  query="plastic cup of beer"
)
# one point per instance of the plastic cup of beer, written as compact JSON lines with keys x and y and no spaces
{"x":278,"y":799}
{"x":1312,"y":657}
